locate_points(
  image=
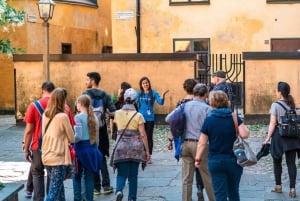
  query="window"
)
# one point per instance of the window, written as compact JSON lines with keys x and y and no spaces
{"x":92,"y":3}
{"x":283,"y":1}
{"x":201,"y":45}
{"x":66,"y":48}
{"x":188,"y":2}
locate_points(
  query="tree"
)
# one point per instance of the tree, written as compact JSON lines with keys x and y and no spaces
{"x":9,"y":19}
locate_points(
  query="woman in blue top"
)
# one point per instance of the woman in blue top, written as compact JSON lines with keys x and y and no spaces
{"x":219,"y":130}
{"x":88,"y":157}
{"x":145,"y":100}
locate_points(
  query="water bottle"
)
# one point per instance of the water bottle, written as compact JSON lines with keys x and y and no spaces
{"x":240,"y":154}
{"x":78,"y":131}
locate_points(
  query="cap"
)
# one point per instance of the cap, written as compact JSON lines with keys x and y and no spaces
{"x":219,"y":73}
{"x":130,"y":93}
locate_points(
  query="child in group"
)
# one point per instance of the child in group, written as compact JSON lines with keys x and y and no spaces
{"x":88,"y":156}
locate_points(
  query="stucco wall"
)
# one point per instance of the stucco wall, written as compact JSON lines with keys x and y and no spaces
{"x":7,"y":84}
{"x":72,"y":75}
{"x":261,"y":81}
{"x":233,"y":26}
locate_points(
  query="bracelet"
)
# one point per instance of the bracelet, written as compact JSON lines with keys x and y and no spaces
{"x":197,"y":160}
{"x":170,"y":140}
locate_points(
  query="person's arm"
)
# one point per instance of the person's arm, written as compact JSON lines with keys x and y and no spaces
{"x":243,"y":131}
{"x":272,"y":125}
{"x":68,"y":129}
{"x":164,"y":94}
{"x":28,"y":133}
{"x":202,"y":143}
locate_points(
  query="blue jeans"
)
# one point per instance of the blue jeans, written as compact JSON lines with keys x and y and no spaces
{"x":128,"y":170}
{"x":88,"y":184}
{"x":56,"y":189}
{"x":226,"y":176}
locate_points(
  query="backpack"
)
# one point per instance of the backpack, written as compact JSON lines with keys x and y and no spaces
{"x":177,"y":121}
{"x":40,"y":110}
{"x":98,"y":107}
{"x":289,"y":124}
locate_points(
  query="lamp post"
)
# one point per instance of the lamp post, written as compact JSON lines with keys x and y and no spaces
{"x":46,"y":8}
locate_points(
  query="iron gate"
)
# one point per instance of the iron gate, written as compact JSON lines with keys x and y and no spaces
{"x":232,"y":64}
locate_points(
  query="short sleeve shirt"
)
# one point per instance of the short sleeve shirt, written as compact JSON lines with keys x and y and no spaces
{"x":122,"y":117}
{"x":32,"y":116}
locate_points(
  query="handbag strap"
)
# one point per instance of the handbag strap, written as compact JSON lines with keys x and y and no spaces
{"x":234,"y":117}
{"x":124,"y":131}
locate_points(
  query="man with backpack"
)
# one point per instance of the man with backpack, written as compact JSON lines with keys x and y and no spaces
{"x":32,"y":141}
{"x":33,"y":120}
{"x":101,"y":102}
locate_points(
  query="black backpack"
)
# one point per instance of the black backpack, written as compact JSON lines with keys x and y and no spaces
{"x":289,"y":124}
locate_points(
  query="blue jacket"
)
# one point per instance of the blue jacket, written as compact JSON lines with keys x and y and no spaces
{"x":145,"y":104}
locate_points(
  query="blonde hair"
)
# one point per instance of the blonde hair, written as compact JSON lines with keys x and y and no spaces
{"x":85,"y":101}
{"x":218,"y":99}
{"x":56,"y":103}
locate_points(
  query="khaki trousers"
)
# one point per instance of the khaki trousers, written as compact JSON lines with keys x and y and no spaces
{"x":188,"y":168}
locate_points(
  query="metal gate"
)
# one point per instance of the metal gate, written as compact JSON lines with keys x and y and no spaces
{"x":232,"y":64}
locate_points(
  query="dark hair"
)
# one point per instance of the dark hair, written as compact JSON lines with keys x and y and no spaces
{"x":200,"y":90}
{"x":48,"y":86}
{"x":188,"y":85}
{"x":150,"y":89}
{"x":284,"y":89}
{"x":120,"y":101}
{"x":94,"y":76}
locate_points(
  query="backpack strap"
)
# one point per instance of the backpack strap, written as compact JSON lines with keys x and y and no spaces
{"x":39,"y":107}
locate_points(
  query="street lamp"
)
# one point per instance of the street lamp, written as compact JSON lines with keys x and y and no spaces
{"x":46,"y":8}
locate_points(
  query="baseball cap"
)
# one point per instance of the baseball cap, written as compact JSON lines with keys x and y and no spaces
{"x":219,"y":73}
{"x":130,"y":93}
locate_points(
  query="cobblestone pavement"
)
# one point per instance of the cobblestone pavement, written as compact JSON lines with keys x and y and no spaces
{"x":161,"y":181}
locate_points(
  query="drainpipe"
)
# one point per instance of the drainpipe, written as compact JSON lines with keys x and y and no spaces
{"x":138,"y":27}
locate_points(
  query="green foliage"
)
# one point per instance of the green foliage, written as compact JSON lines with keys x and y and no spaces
{"x":9,"y":19}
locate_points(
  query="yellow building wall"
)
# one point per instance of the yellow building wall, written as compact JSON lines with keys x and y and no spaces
{"x":233,"y":26}
{"x":262,"y":77}
{"x":87,"y":29}
{"x":72,"y":75}
{"x":7,"y":84}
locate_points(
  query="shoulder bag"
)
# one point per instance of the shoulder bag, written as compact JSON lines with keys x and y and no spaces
{"x":241,"y":149}
{"x":111,"y":162}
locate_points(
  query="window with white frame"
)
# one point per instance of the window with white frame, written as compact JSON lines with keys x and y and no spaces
{"x":183,"y":2}
{"x":200,"y":45}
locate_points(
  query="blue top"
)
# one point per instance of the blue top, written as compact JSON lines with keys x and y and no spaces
{"x":81,"y":120}
{"x":87,"y":155}
{"x":145,"y":104}
{"x":220,"y":129}
{"x":223,"y":86}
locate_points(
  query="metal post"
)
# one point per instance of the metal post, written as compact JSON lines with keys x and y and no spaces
{"x":46,"y":53}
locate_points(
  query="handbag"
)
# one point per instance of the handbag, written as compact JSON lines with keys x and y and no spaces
{"x":111,"y":162}
{"x":241,"y":149}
